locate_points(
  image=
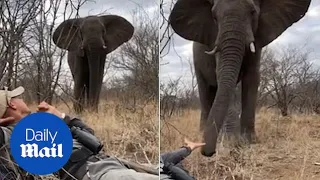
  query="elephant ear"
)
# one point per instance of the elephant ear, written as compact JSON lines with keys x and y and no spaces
{"x":66,"y":36}
{"x":278,"y":15}
{"x":192,"y":20}
{"x":118,"y":31}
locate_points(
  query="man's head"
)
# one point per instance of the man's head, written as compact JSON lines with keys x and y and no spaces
{"x":11,"y":105}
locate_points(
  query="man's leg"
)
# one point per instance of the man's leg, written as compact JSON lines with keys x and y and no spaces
{"x":124,"y":174}
{"x":111,"y":168}
{"x":128,"y":174}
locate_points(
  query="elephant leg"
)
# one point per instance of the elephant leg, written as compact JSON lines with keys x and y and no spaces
{"x":231,"y":127}
{"x":87,"y":85}
{"x":250,"y":84}
{"x":80,"y":76}
{"x":206,"y":96}
{"x":207,"y":89}
{"x":79,"y":93}
{"x":101,"y":73}
{"x":96,"y":97}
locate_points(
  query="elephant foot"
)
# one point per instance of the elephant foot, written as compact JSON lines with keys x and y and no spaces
{"x":231,"y":140}
{"x":250,"y":137}
{"x":254,"y":139}
{"x":93,"y":109}
{"x":77,"y":108}
{"x":206,"y":154}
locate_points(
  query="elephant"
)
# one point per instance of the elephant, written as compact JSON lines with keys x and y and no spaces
{"x":228,"y":37}
{"x":231,"y":124}
{"x":88,"y":40}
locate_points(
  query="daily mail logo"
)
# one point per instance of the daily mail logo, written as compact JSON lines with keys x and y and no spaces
{"x":32,"y":150}
{"x":41,"y":143}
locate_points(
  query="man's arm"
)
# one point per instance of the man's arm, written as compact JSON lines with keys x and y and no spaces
{"x":176,"y":156}
{"x":45,"y":107}
{"x":2,"y":138}
{"x":5,"y":172}
{"x":5,"y":133}
{"x":178,"y":173}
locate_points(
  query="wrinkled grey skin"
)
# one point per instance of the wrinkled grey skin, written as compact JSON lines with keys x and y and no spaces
{"x":231,"y":125}
{"x":237,"y":30}
{"x":88,"y":41}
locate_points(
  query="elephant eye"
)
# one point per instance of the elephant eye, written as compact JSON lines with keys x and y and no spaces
{"x":214,"y":17}
{"x":80,"y":34}
{"x":104,"y":31}
{"x":253,"y":11}
{"x":214,"y":13}
{"x":214,"y":20}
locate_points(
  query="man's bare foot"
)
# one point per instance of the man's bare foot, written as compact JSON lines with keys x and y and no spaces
{"x":193,"y":145}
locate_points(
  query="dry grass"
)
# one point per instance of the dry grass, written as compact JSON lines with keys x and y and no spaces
{"x":288,"y":149}
{"x":127,"y":133}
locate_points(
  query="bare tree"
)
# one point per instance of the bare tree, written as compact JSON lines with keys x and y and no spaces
{"x":45,"y":56}
{"x":166,"y":33}
{"x":284,"y":77}
{"x":169,"y":92}
{"x":29,"y":57}
{"x":194,"y":83}
{"x":15,"y":18}
{"x":140,"y":57}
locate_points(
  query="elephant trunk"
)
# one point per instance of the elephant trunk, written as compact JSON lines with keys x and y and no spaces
{"x":96,"y":61}
{"x":231,"y":125}
{"x":232,"y":41}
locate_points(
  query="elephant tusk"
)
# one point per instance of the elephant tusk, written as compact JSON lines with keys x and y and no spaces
{"x":252,"y":47}
{"x":104,"y":47}
{"x":212,"y":52}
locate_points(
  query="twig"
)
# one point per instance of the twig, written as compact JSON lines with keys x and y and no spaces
{"x":167,"y":123}
{"x":144,"y":153}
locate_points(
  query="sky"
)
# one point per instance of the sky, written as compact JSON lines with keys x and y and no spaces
{"x":119,"y":7}
{"x":307,"y":29}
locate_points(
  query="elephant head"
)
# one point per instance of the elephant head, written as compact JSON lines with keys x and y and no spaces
{"x":104,"y":32}
{"x":233,"y":29}
{"x":260,"y":21}
{"x":90,"y":39}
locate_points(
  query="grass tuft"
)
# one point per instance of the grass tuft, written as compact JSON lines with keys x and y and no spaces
{"x":288,"y":149}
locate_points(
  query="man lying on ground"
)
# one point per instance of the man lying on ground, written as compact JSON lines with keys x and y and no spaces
{"x":83,"y":164}
{"x":171,"y":162}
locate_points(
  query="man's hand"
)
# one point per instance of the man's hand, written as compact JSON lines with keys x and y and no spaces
{"x":45,"y":107}
{"x":7,"y":121}
{"x":193,"y":145}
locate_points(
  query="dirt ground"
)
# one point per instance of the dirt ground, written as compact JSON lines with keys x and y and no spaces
{"x":288,"y":149}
